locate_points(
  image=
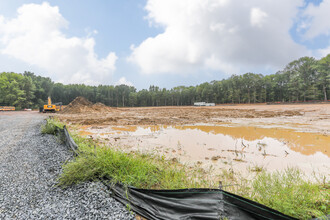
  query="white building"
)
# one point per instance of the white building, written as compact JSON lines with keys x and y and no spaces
{"x":203,"y":104}
{"x":199,"y":104}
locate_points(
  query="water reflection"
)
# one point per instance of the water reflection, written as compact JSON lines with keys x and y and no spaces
{"x":220,"y":146}
{"x":303,"y":142}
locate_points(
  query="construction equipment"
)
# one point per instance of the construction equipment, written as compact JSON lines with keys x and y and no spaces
{"x":52,"y":107}
{"x":7,"y":108}
{"x":58,"y":106}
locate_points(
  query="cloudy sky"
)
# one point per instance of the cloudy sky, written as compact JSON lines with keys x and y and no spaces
{"x":156,"y":42}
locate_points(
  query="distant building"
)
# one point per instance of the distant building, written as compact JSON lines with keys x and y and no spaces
{"x":203,"y":104}
{"x":199,"y":104}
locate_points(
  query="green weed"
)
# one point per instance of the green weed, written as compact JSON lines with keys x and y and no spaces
{"x":139,"y":170}
{"x":290,"y":193}
{"x":50,"y":126}
{"x":257,"y":168}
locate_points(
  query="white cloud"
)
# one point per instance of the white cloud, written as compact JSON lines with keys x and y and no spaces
{"x":318,"y":18}
{"x":35,"y":36}
{"x":257,"y":17}
{"x":123,"y":81}
{"x":224,"y":35}
{"x":323,"y":52}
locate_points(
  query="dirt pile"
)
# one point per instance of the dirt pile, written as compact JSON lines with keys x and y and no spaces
{"x":81,"y":101}
{"x":82,"y":105}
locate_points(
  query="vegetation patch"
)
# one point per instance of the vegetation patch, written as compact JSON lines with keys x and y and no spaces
{"x":50,"y":126}
{"x":288,"y":192}
{"x":97,"y":161}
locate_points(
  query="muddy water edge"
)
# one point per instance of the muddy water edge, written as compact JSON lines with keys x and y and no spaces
{"x":215,"y":148}
{"x":236,"y":138}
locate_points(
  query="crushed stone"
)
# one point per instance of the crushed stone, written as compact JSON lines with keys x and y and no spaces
{"x":30,"y":164}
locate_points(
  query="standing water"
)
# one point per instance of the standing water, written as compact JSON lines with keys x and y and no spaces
{"x":238,"y":148}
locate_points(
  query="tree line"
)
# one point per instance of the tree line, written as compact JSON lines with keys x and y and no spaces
{"x":303,"y":80}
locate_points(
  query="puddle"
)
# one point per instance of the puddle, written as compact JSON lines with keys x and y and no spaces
{"x":238,"y":148}
{"x":129,"y":128}
{"x":305,"y":143}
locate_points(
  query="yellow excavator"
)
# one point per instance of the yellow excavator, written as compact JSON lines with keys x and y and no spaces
{"x":52,"y":107}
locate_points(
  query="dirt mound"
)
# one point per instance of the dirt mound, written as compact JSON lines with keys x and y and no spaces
{"x":100,"y":107}
{"x":82,"y":105}
{"x":99,"y":104}
{"x":81,"y":101}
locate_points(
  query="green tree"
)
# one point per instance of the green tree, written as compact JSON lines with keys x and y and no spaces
{"x":29,"y":88}
{"x":323,"y":75}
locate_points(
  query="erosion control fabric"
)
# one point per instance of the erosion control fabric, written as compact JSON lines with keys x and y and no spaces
{"x":184,"y":203}
{"x":192,"y":204}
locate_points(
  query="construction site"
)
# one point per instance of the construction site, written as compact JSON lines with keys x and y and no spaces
{"x":239,"y":138}
{"x":161,"y":110}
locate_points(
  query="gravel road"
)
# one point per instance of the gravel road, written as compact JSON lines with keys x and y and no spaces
{"x":29,"y":166}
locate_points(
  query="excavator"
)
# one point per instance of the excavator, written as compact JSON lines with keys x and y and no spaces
{"x":52,"y":107}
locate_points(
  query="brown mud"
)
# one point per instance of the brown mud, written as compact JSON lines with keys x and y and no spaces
{"x":239,"y":149}
{"x":163,"y":115}
{"x":305,"y":118}
{"x":231,"y":137}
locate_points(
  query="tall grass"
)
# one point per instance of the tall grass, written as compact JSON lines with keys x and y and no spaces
{"x":139,"y":170}
{"x":288,"y":191}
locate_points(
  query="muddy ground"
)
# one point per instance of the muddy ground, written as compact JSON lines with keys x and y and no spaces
{"x":236,"y":138}
{"x":304,"y":117}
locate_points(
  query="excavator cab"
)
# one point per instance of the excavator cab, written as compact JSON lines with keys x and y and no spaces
{"x":49,"y":107}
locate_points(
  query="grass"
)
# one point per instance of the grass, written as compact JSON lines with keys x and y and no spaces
{"x":139,"y":170}
{"x":50,"y":126}
{"x":288,"y":191}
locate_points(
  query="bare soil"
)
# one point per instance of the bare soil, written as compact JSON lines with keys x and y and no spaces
{"x":82,"y":105}
{"x":303,"y":117}
{"x":233,"y":137}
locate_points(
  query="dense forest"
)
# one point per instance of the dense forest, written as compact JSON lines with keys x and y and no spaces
{"x":303,"y":80}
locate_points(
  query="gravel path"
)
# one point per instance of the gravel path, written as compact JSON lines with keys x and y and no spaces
{"x":29,"y":166}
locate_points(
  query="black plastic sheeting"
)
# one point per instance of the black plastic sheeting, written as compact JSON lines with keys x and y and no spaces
{"x":183,"y":204}
{"x":67,"y":139}
{"x":191,"y":204}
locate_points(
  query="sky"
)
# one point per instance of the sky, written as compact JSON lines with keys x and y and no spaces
{"x":156,"y":42}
